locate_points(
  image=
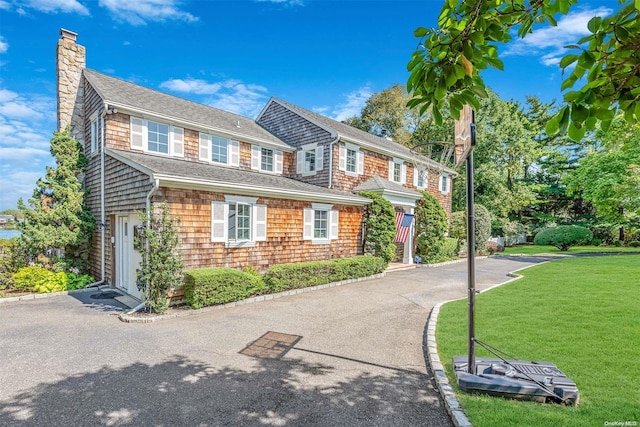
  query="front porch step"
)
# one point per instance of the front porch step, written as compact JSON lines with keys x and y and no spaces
{"x":396,"y":266}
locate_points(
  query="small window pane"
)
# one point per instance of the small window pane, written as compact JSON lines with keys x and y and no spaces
{"x":158,"y":137}
{"x":310,"y":161}
{"x":232,"y":221}
{"x":352,"y":156}
{"x":266,"y":160}
{"x":397,"y":174}
{"x":320,"y":230}
{"x":219,"y":149}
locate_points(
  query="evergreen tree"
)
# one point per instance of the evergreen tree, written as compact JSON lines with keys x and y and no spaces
{"x":57,"y":221}
{"x":380,"y":227}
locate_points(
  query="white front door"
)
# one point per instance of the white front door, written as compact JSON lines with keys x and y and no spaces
{"x":127,"y":258}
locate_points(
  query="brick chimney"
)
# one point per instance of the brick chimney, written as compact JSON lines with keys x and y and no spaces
{"x":70,"y":61}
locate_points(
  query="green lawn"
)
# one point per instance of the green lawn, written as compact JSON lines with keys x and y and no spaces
{"x":583,"y":314}
{"x":536,"y":249}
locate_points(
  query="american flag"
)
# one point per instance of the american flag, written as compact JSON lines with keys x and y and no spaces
{"x":403,"y":226}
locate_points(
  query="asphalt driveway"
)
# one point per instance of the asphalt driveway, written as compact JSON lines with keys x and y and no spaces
{"x":344,"y":356}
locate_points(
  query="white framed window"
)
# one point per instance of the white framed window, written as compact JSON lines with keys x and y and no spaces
{"x":266,"y":159}
{"x":238,"y":221}
{"x":320,"y":224}
{"x":156,"y":137}
{"x":351,"y":160}
{"x":310,"y":159}
{"x":420,"y":178}
{"x":219,"y":150}
{"x":96,"y":132}
{"x":398,"y":171}
{"x":444,"y":184}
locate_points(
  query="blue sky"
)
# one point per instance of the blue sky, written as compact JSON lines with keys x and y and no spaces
{"x":326,"y":56}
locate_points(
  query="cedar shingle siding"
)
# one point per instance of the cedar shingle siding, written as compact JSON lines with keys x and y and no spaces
{"x":190,"y":185}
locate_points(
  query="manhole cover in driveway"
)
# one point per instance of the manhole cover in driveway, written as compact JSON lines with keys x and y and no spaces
{"x":272,"y":345}
{"x":106,"y":295}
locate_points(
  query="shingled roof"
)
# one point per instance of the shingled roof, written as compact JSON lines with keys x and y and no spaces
{"x":126,"y":95}
{"x":356,"y":135}
{"x":185,"y":174}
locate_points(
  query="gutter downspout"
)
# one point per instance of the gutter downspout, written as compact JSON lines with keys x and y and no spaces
{"x":102,"y":215}
{"x":331,"y":144}
{"x":156,"y":184}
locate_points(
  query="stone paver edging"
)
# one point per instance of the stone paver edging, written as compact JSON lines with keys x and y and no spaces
{"x":456,"y":412}
{"x":128,"y":318}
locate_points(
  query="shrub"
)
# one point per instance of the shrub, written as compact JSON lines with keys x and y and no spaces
{"x":210,"y":286}
{"x":41,"y":280}
{"x":301,"y":275}
{"x":564,"y":236}
{"x":596,"y":242}
{"x":379,"y":227}
{"x":12,"y":258}
{"x":161,"y":266}
{"x":482,"y":226}
{"x":618,"y":242}
{"x":635,"y":244}
{"x":431,"y":226}
{"x":75,"y":281}
{"x":458,"y":227}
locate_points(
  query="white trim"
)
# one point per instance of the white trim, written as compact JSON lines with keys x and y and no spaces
{"x":240,"y":199}
{"x":200,"y":127}
{"x":446,"y":179}
{"x":240,"y":188}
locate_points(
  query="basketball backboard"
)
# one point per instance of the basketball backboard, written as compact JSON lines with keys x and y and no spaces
{"x":463,"y":134}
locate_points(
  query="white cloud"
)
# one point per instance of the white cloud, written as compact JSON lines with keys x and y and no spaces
{"x":190,"y":85}
{"x":52,"y":6}
{"x":4,"y":46}
{"x":138,"y":12}
{"x":27,"y":122}
{"x":284,"y":2}
{"x":549,"y":42}
{"x":229,"y":95}
{"x":352,"y":107}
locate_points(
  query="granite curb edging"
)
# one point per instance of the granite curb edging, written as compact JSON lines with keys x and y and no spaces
{"x":125,"y":317}
{"x":451,"y":403}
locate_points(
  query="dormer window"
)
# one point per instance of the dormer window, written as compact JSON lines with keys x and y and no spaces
{"x":310,"y":159}
{"x":351,"y":160}
{"x":219,"y":150}
{"x":156,"y":137}
{"x":266,"y":159}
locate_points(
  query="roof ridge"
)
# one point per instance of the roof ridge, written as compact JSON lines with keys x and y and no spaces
{"x":90,"y":70}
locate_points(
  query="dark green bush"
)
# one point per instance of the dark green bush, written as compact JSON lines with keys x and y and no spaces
{"x":596,"y":242}
{"x":301,"y":275}
{"x":635,"y":244}
{"x":618,"y":243}
{"x":564,"y":236}
{"x":211,"y":286}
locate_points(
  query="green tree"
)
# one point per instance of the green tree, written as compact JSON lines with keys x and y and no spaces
{"x":387,"y":110}
{"x":161,"y":266}
{"x":379,"y":227}
{"x":607,"y":176}
{"x":57,"y":218}
{"x":449,"y":60}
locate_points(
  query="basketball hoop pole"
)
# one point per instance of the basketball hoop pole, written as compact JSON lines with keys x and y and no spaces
{"x":471,"y":251}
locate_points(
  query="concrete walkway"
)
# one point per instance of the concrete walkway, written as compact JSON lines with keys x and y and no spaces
{"x":344,"y":356}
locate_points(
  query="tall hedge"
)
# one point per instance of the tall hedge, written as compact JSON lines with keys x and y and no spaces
{"x":431,"y":226}
{"x":379,"y":227}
